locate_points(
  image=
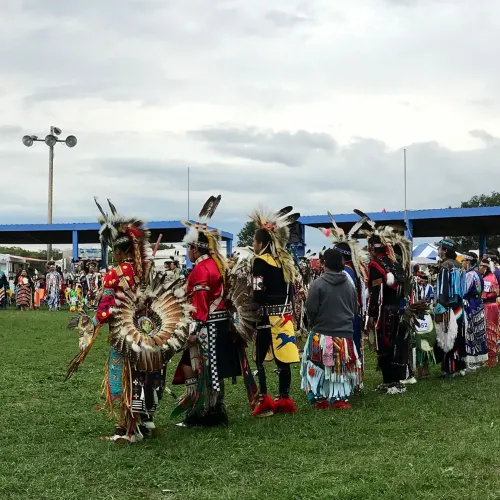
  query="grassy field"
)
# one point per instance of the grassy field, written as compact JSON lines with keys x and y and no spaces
{"x":440,"y":440}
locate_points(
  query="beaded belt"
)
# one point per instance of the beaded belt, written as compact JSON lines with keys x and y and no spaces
{"x":276,"y":310}
{"x":217,"y":316}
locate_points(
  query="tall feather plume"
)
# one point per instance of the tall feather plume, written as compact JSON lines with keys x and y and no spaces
{"x":389,"y":237}
{"x":284,"y":211}
{"x":104,"y":216}
{"x":357,"y":226}
{"x":332,"y":220}
{"x":209,"y":208}
{"x":362,"y":215}
{"x":213,"y":235}
{"x":115,"y":226}
{"x":114,"y":212}
{"x":358,"y":257}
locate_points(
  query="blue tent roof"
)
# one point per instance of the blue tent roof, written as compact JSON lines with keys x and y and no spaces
{"x":425,"y":250}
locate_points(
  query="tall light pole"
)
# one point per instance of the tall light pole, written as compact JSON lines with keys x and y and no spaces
{"x":51,"y":141}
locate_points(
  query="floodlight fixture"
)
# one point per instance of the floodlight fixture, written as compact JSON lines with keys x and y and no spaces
{"x":71,"y":141}
{"x":28,"y":141}
{"x":51,"y":140}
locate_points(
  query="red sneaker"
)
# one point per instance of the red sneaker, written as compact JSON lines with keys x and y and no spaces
{"x":285,"y":404}
{"x":265,"y":408}
{"x":322,"y":405}
{"x":341,"y":405}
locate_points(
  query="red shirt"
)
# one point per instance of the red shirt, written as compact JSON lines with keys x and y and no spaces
{"x":204,"y":287}
{"x":111,"y":285}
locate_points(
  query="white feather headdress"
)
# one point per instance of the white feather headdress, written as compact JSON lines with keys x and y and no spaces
{"x":116,"y":228}
{"x":358,"y":257}
{"x":277,"y":225}
{"x":391,"y":239}
{"x":213,"y":236}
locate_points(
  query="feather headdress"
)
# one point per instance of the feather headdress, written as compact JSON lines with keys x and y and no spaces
{"x":117,"y":229}
{"x":213,"y":236}
{"x":402,"y":248}
{"x":377,"y":236}
{"x":391,"y":239}
{"x":277,"y":226}
{"x":351,"y":249}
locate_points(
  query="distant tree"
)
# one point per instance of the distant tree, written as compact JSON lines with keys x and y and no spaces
{"x":466,"y":243}
{"x":164,"y":246}
{"x":245,"y":236}
{"x":32,"y":254}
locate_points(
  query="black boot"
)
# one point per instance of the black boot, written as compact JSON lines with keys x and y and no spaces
{"x":197,"y":419}
{"x":218,"y":416}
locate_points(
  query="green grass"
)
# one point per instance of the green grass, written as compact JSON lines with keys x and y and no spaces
{"x":440,"y":440}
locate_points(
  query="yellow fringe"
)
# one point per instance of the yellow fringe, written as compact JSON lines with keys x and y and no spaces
{"x":106,"y":394}
{"x":126,"y":415}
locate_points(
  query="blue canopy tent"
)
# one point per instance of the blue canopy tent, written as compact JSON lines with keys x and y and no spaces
{"x":425,"y":253}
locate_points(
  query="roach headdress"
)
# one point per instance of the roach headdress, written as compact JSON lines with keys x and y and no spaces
{"x":395,"y":245}
{"x":347,"y":244}
{"x":117,"y":230}
{"x":199,"y":235}
{"x":277,"y":226}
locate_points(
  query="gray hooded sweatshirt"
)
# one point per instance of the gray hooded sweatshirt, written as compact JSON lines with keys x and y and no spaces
{"x":331,"y":305}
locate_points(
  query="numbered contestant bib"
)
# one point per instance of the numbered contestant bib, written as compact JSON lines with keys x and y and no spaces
{"x":487,"y":286}
{"x":424,"y":325}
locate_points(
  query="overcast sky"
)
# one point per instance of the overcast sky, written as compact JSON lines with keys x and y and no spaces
{"x":307,"y":103}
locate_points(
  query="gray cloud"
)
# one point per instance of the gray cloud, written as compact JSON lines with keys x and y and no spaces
{"x":291,"y":149}
{"x":285,"y":19}
{"x":366,"y":173}
{"x":484,"y":136}
{"x":10,"y":133}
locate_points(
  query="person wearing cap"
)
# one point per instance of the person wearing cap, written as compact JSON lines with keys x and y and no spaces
{"x":450,"y":348}
{"x":425,"y":289}
{"x":490,"y":294}
{"x":475,"y":333}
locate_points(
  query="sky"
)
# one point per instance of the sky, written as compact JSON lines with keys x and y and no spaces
{"x":308,"y":103}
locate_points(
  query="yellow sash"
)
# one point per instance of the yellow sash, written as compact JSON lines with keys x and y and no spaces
{"x":284,"y":346}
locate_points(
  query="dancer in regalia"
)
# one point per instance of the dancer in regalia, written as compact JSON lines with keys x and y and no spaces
{"x":24,"y":292}
{"x":147,"y":325}
{"x":214,"y":350}
{"x":475,"y":325}
{"x":425,"y":330}
{"x":386,"y":283}
{"x":274,"y":273}
{"x":4,"y":286}
{"x":450,"y":347}
{"x":490,"y":295}
{"x":53,"y":287}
